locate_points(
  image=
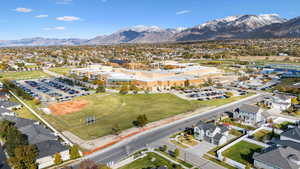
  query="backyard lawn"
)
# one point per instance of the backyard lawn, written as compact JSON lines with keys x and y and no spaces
{"x":261,"y":134}
{"x":152,"y":160}
{"x":23,"y":75}
{"x":242,"y":152}
{"x":114,"y":109}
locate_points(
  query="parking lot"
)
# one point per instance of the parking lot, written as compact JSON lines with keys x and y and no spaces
{"x":51,"y":89}
{"x":209,"y":93}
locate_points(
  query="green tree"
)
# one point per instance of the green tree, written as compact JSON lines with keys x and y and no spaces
{"x":74,"y":152}
{"x":294,"y":100}
{"x":124,"y":90}
{"x":229,"y":94}
{"x":25,"y":157}
{"x":101,"y":89}
{"x":176,"y":153}
{"x":85,"y":79}
{"x":116,"y":130}
{"x":57,"y":159}
{"x":5,"y":126}
{"x":164,"y":148}
{"x":141,"y":120}
{"x":14,"y":139}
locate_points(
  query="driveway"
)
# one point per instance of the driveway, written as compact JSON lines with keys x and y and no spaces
{"x":3,"y":163}
{"x":200,"y":149}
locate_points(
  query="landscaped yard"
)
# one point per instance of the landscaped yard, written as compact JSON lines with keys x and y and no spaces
{"x":23,"y":75}
{"x":114,"y":109}
{"x":261,"y":134}
{"x":152,"y":160}
{"x":242,"y":152}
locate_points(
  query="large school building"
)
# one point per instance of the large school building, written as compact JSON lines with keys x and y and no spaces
{"x":152,"y":80}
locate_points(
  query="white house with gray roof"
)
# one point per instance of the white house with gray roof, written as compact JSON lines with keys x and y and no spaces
{"x":10,"y":105}
{"x":248,"y":114}
{"x":292,"y":134}
{"x":215,"y":134}
{"x":279,"y":102}
{"x":277,"y":158}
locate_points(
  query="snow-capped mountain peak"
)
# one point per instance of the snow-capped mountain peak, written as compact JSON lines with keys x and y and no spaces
{"x":143,"y":28}
{"x":250,"y":21}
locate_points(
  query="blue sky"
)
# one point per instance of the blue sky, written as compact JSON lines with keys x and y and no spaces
{"x":90,"y":18}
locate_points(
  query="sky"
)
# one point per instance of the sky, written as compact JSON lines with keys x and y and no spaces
{"x":90,"y":18}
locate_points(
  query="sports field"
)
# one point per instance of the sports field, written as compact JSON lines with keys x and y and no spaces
{"x":23,"y":75}
{"x":114,"y":109}
{"x":61,"y":70}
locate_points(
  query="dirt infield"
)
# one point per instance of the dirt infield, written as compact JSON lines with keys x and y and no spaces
{"x":68,"y":107}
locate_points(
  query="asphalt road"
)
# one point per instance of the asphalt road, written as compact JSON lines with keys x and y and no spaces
{"x":121,"y":150}
{"x":3,"y":162}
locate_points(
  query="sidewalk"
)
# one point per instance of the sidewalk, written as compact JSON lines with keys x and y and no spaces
{"x":105,"y":141}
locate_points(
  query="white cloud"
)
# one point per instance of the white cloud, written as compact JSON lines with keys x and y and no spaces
{"x":60,"y":28}
{"x":68,"y":18}
{"x":183,"y":12}
{"x":41,"y":16}
{"x":24,"y":10}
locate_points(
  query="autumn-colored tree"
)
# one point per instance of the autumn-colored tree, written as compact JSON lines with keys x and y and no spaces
{"x":74,"y":152}
{"x":25,"y":157}
{"x":294,"y":100}
{"x":57,"y":159}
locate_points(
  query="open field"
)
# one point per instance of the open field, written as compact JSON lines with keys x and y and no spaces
{"x":242,"y":152}
{"x":23,"y":75}
{"x":60,"y":70}
{"x":150,"y":161}
{"x":122,"y":110}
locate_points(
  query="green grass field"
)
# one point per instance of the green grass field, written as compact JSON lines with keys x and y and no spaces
{"x":242,"y":152}
{"x":114,"y":109}
{"x":60,"y":70}
{"x":150,"y":161}
{"x":23,"y":75}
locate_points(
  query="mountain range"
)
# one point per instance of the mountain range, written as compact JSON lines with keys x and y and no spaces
{"x":232,"y":27}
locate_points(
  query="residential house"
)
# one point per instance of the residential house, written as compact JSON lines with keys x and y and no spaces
{"x":4,"y":96}
{"x":248,"y":114}
{"x":277,"y":158}
{"x":279,"y":102}
{"x":284,"y":155}
{"x":292,"y":134}
{"x":210,"y":132}
{"x":10,"y":105}
{"x":47,"y":142}
{"x":6,"y":112}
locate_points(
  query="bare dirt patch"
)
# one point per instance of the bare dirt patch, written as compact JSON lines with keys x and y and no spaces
{"x":68,"y":107}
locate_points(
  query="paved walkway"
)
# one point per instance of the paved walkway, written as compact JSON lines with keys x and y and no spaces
{"x":106,"y":140}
